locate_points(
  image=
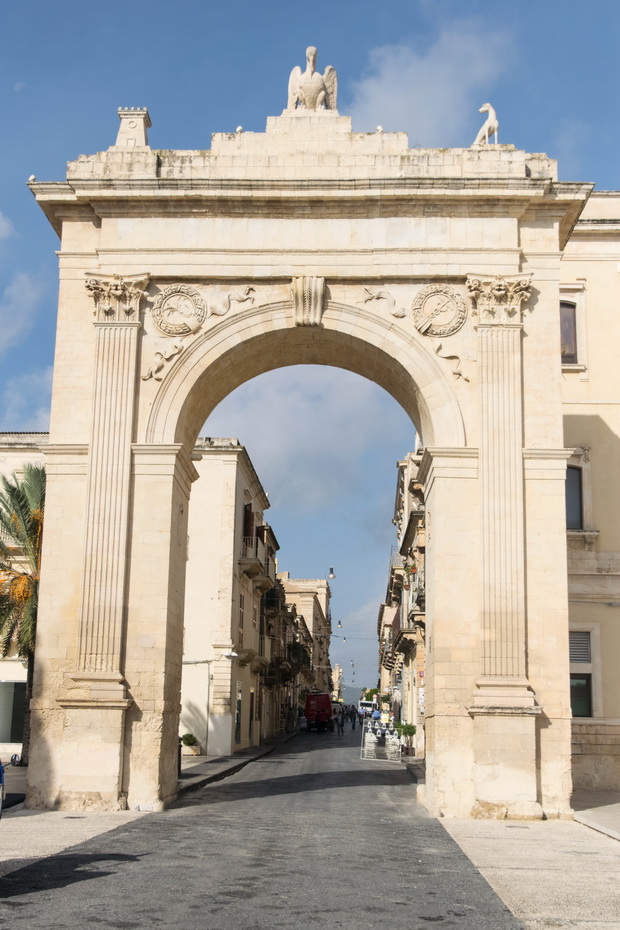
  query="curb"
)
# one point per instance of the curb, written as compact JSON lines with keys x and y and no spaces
{"x":199,"y":781}
{"x":593,"y":825}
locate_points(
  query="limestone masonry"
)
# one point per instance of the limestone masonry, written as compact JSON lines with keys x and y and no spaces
{"x":439,"y":275}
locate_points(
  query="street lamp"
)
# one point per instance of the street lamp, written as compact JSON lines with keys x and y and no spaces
{"x":331,"y":574}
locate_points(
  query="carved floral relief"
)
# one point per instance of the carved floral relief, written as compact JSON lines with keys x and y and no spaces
{"x":499,"y":298}
{"x":117,"y":298}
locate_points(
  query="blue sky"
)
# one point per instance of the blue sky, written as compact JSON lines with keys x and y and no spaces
{"x":421,"y":66}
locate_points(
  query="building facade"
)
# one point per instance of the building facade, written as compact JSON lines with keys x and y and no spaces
{"x":589,"y":298}
{"x":231,"y":565}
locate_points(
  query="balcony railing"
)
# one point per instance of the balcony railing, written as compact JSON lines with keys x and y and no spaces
{"x":253,"y":548}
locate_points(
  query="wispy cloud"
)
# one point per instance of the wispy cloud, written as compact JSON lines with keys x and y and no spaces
{"x":6,"y":227}
{"x":25,"y":401}
{"x":18,"y":308}
{"x":568,"y":148}
{"x":307,"y":430}
{"x":432,"y":93}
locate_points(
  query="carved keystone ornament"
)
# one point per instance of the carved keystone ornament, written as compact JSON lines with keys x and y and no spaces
{"x":438,"y":311}
{"x":308,"y":295}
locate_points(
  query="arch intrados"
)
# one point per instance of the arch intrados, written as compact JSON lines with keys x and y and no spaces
{"x":220,"y":361}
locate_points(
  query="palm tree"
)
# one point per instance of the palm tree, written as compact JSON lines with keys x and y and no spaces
{"x":22,"y":505}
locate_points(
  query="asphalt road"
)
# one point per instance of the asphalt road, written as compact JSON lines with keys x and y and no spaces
{"x":309,"y":836}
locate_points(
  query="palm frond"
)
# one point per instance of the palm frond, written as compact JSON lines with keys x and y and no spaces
{"x":22,"y":507}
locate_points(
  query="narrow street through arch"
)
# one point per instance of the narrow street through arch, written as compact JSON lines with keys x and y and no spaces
{"x":307,"y":836}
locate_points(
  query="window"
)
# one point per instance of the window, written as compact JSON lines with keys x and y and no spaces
{"x":241,"y":618}
{"x":568,"y":332}
{"x":580,"y":653}
{"x":585,"y":671}
{"x":573,"y":328}
{"x":581,"y":695}
{"x":12,"y":709}
{"x":574,"y":498}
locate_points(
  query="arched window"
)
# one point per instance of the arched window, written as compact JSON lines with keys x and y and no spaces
{"x":574,"y":498}
{"x":568,"y":332}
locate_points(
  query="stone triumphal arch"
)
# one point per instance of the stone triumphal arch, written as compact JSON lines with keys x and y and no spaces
{"x":184,"y":273}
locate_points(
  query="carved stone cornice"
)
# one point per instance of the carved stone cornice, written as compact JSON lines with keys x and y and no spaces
{"x":117,"y":298}
{"x":308,"y":300}
{"x":498,"y":299}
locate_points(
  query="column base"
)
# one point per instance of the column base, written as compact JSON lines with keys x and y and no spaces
{"x":506,"y":763}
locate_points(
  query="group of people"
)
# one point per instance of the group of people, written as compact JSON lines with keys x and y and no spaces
{"x":344,"y":713}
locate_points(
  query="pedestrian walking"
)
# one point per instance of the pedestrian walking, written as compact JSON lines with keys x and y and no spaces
{"x":340,"y":721}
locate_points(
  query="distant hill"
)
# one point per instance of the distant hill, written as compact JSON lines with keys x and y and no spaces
{"x":351,"y":694}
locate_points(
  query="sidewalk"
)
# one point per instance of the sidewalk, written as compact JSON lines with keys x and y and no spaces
{"x":28,"y":835}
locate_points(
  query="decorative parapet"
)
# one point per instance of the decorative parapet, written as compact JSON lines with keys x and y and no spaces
{"x":117,"y":299}
{"x":499,"y":298}
{"x":132,"y":132}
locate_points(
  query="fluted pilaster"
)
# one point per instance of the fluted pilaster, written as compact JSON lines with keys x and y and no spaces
{"x":105,"y":553}
{"x":497,"y":301}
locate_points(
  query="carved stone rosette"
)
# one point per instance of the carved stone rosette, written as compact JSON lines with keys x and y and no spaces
{"x":438,"y":310}
{"x":117,"y":298}
{"x":499,"y":298}
{"x":308,"y":299}
{"x":179,"y":310}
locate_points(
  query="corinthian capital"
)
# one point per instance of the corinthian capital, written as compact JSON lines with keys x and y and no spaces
{"x":499,"y":298}
{"x":117,"y":299}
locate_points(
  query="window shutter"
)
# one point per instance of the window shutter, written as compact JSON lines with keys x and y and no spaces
{"x":579,"y":646}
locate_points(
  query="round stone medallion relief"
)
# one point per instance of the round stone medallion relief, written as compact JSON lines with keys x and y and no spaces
{"x":179,"y":310}
{"x":438,"y":311}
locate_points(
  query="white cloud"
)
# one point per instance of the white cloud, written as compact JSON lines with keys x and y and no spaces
{"x":6,"y":227}
{"x":18,"y":308}
{"x":25,"y":402}
{"x":307,"y":429}
{"x":21,"y":85}
{"x":432,"y":94}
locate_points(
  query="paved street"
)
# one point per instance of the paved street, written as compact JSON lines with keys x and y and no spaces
{"x":307,"y":836}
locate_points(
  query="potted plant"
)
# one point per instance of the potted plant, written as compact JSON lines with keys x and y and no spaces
{"x":191,"y":746}
{"x":407,"y":732}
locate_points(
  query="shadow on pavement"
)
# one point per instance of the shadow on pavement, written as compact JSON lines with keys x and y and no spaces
{"x":58,"y":872}
{"x":292,"y":784}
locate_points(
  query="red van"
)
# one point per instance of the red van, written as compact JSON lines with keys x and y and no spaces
{"x":318,"y":711}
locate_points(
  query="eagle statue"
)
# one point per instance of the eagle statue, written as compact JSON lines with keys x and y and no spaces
{"x":310,"y":90}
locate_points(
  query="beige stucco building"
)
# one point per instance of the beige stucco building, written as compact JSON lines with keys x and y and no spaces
{"x":590,"y":295}
{"x":231,"y":564}
{"x":311,"y":597}
{"x":436,"y":273}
